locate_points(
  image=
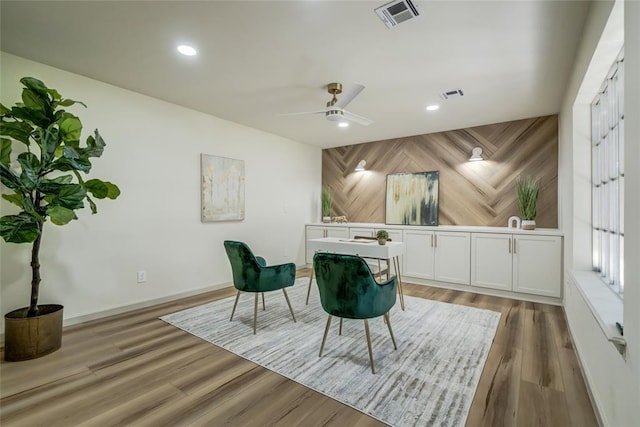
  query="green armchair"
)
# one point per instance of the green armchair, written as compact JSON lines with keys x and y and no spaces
{"x":348,"y":290}
{"x":251,"y":274}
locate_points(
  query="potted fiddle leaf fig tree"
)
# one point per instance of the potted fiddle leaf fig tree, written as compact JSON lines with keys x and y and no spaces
{"x":42,"y":163}
{"x":527,"y":198}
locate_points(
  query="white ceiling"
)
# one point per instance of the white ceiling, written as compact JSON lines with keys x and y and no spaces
{"x":257,"y":59}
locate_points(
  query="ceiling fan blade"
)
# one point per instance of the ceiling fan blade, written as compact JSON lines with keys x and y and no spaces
{"x":303,"y":112}
{"x":356,"y":118}
{"x":347,"y":97}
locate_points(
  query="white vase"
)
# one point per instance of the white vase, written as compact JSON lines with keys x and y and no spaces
{"x":528,"y":224}
{"x":326,"y":219}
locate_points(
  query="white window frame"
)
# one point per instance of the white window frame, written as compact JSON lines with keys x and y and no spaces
{"x":607,"y":178}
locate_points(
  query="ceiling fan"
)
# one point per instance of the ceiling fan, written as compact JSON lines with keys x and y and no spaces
{"x":335,"y":107}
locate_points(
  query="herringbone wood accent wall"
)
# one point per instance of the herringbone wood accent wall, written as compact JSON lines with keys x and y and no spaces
{"x":471,"y":193}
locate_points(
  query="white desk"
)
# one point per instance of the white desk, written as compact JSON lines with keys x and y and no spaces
{"x":391,"y":251}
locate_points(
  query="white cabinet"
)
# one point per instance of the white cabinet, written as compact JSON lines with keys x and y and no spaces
{"x":442,"y":256}
{"x":318,"y":232}
{"x":419,"y":254}
{"x":491,"y":260}
{"x":517,"y":262}
{"x":537,"y":265}
{"x":452,"y":253}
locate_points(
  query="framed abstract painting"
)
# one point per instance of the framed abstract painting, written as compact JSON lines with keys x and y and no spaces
{"x":412,"y":198}
{"x":222,"y":186}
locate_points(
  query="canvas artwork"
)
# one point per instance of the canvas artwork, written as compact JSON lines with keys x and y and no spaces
{"x":412,"y":198}
{"x":222,"y":188}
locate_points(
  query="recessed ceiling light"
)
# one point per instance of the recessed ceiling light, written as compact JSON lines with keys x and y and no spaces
{"x":433,"y":107}
{"x":343,"y":124}
{"x":187,"y":50}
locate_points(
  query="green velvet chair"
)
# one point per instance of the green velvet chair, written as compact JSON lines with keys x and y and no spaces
{"x":251,"y":274}
{"x":348,"y":290}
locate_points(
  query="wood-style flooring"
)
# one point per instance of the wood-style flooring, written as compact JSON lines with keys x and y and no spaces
{"x":135,"y":370}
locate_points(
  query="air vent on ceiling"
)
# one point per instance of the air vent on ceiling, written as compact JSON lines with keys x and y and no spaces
{"x":453,"y":93}
{"x":397,"y":12}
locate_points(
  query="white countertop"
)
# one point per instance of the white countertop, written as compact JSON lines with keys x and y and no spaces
{"x":463,"y":228}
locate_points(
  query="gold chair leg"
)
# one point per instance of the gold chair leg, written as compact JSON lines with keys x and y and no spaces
{"x":309,"y":289}
{"x":340,"y":331}
{"x":263,"y":306}
{"x":396,"y":265}
{"x":366,"y":329}
{"x":388,"y":322}
{"x":255,"y":313}
{"x":324,"y":338}
{"x":234,"y":306}
{"x":289,"y":304}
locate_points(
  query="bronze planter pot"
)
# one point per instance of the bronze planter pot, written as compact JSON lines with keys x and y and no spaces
{"x":32,"y":337}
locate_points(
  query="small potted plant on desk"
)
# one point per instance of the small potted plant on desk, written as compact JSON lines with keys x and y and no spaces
{"x":527,"y":197}
{"x":382,"y":237}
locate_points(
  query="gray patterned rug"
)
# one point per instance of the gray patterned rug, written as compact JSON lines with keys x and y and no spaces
{"x":430,"y":380}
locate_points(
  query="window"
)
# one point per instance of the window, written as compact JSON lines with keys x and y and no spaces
{"x":607,"y":178}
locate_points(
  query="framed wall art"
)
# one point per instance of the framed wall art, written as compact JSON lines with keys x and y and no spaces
{"x":222,"y":186}
{"x":412,"y":198}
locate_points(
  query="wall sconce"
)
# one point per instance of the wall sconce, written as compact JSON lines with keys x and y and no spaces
{"x":476,"y":155}
{"x":360,"y":166}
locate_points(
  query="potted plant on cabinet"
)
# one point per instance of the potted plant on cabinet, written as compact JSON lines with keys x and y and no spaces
{"x":327,"y":200}
{"x":45,"y":184}
{"x":527,"y":198}
{"x":382,"y":237}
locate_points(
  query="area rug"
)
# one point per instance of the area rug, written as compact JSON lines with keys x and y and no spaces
{"x":429,"y":381}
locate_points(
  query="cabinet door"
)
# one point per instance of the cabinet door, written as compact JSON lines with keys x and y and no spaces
{"x":452,"y":257}
{"x":418,"y":255}
{"x":340,"y":232}
{"x":537,"y":265}
{"x":491,"y":260}
{"x":313,"y":232}
{"x":394,"y":235}
{"x":368,"y":232}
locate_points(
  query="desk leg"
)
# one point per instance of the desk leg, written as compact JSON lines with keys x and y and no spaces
{"x":396,"y":265}
{"x":309,"y":290}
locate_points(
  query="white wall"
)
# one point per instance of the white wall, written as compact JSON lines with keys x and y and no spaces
{"x":153,"y":155}
{"x":614,"y":382}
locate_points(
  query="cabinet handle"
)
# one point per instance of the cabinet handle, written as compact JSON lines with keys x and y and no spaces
{"x":432,"y":240}
{"x":435,"y":238}
{"x":514,"y":245}
{"x":509,"y":244}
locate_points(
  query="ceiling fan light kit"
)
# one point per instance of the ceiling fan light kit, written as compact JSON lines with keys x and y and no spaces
{"x":334,"y":111}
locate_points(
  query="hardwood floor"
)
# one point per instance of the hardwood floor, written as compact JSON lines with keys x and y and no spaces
{"x":135,"y":370}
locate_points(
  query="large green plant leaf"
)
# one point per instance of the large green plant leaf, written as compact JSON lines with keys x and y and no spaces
{"x":35,"y":85}
{"x":70,"y":129}
{"x":34,"y":100}
{"x":15,"y":198}
{"x":5,"y":151}
{"x":49,"y":142}
{"x":102,"y":189}
{"x":30,"y":165}
{"x":21,"y":228}
{"x":95,"y":145}
{"x":70,"y":196}
{"x":63,"y":164}
{"x":9,"y":178}
{"x":19,"y":131}
{"x":60,"y":215}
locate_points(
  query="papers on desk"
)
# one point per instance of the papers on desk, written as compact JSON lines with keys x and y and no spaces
{"x":360,"y":240}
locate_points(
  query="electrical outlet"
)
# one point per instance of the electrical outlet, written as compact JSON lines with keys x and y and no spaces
{"x":142,"y":276}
